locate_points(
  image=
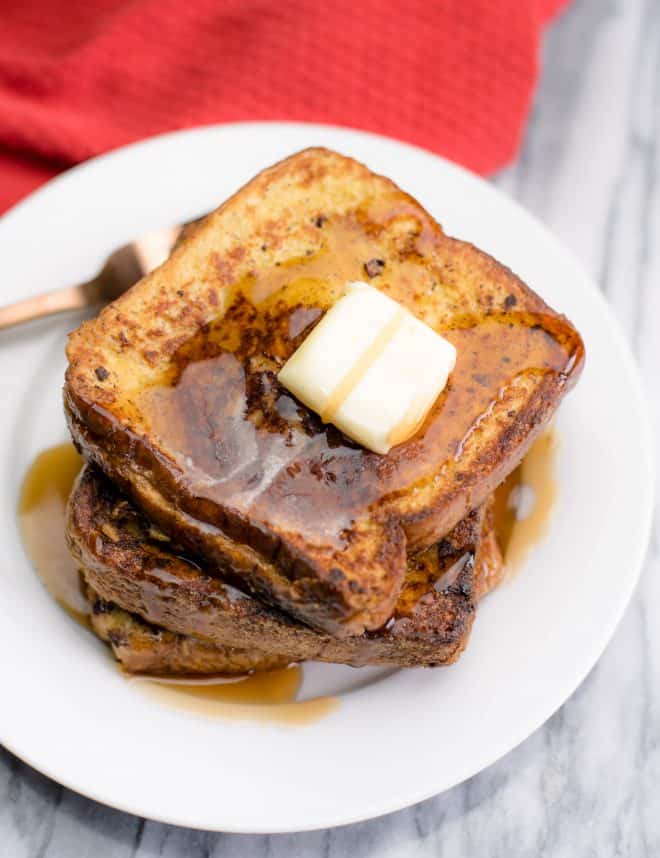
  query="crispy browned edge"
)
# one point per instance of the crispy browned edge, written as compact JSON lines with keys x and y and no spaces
{"x":284,"y":572}
{"x":147,"y":578}
{"x":152,"y":650}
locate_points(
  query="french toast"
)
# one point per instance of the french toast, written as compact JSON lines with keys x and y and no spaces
{"x":127,"y":562}
{"x":173,"y":390}
{"x":146,"y":649}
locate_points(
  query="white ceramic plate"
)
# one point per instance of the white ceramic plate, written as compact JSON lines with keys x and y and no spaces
{"x":396,"y":737}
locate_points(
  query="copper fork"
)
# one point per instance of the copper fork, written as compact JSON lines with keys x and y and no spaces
{"x":122,"y":269}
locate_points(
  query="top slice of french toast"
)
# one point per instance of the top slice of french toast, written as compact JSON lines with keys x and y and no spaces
{"x":173,"y":389}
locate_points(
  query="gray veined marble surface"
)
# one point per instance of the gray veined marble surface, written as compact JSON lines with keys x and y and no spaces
{"x":588,"y":782}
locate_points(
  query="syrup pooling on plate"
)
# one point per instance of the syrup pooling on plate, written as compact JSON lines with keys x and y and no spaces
{"x":267,"y":696}
{"x":504,"y":510}
{"x":41,"y":514}
{"x":240,"y":440}
{"x":524,"y":502}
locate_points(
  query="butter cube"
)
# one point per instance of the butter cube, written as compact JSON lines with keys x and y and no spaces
{"x":371,"y":368}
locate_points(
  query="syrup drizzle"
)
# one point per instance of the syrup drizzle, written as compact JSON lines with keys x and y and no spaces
{"x":218,"y":412}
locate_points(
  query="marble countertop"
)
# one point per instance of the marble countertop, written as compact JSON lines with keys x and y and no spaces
{"x":588,"y":782}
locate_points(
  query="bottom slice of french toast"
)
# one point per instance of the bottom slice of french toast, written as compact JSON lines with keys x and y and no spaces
{"x":162,"y":613}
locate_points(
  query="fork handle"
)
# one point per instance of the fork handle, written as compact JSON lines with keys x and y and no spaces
{"x":49,"y":304}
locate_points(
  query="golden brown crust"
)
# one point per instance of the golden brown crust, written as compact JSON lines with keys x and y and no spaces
{"x":326,"y":536}
{"x":126,"y":561}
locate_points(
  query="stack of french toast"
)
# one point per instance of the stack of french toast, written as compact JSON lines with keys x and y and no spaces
{"x":220,"y":525}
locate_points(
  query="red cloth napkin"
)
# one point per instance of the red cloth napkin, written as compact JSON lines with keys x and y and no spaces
{"x":79,"y":77}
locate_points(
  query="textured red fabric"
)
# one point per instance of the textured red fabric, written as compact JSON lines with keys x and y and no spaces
{"x":79,"y":77}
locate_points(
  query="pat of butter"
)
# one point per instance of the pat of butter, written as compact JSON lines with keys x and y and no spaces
{"x":371,"y":368}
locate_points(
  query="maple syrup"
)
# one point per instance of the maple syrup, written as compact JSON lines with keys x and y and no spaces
{"x":524,"y":502}
{"x":41,"y":516}
{"x":266,"y":696}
